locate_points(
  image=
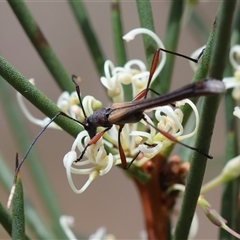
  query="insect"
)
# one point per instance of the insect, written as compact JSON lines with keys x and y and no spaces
{"x":133,"y":111}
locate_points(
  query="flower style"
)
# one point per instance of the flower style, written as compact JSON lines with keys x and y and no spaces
{"x":133,"y":141}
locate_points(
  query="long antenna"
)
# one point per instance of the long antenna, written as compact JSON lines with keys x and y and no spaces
{"x":74,"y":78}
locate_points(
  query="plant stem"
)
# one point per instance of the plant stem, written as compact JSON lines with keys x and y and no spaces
{"x":41,"y":45}
{"x":155,"y":202}
{"x":210,"y":105}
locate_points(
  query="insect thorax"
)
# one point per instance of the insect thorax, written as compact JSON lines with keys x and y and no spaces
{"x":99,"y":118}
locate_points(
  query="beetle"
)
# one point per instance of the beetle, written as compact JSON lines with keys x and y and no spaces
{"x":133,"y":111}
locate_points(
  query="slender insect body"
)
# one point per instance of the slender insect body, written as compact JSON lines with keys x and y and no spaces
{"x":125,"y":111}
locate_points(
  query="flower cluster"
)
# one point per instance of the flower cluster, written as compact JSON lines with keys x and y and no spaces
{"x":136,"y":137}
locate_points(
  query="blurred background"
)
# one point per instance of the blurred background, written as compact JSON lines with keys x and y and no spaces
{"x":112,"y":200}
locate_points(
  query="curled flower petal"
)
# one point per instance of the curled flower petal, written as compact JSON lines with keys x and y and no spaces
{"x":234,"y":82}
{"x":31,"y":118}
{"x":111,"y":82}
{"x":90,"y":104}
{"x":131,"y":35}
{"x":170,"y":121}
{"x":193,"y":106}
{"x":133,"y":72}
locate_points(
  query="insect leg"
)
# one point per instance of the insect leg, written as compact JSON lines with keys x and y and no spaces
{"x":143,"y":94}
{"x":182,"y":55}
{"x":135,"y":157}
{"x":121,"y":151}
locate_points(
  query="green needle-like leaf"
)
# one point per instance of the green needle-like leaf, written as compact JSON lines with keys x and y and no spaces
{"x":36,"y":223}
{"x":37,"y":98}
{"x":210,"y":105}
{"x":41,"y":45}
{"x":146,"y":21}
{"x":120,"y":50}
{"x":34,"y":164}
{"x":91,"y":40}
{"x":18,"y":218}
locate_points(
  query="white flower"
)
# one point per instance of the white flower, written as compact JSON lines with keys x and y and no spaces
{"x":97,"y":162}
{"x":133,"y":141}
{"x":234,"y":82}
{"x":133,"y":72}
{"x":170,"y":121}
{"x":68,"y":103}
